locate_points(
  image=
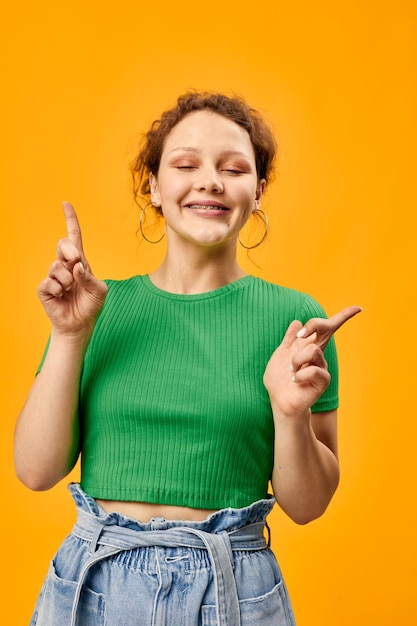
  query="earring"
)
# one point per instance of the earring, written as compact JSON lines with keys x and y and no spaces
{"x":142,"y":219}
{"x":265,"y":219}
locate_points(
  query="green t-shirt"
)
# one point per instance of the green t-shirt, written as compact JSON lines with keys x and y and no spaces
{"x":173,"y":409}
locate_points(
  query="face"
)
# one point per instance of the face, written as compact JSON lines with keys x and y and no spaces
{"x":207,"y":184}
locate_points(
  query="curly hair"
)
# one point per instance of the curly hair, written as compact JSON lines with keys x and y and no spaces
{"x":234,"y":108}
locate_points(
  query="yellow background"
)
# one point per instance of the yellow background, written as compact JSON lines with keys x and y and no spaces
{"x":80,"y":81}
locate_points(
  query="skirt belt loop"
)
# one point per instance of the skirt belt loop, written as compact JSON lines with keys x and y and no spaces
{"x":94,"y":539}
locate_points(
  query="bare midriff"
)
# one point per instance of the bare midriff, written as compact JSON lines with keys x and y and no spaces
{"x":145,"y":511}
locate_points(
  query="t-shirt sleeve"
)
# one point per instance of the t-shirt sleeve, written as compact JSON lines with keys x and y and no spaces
{"x":329,"y":400}
{"x":45,"y":352}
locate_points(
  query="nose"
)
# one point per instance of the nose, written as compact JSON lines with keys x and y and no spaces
{"x":209,"y":180}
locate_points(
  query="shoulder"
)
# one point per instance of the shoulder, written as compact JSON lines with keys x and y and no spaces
{"x":275,"y":290}
{"x":122,"y":295}
{"x":123,"y":284}
{"x":296,"y":304}
{"x":123,"y":288}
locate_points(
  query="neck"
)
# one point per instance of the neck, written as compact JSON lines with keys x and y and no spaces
{"x":193,"y":271}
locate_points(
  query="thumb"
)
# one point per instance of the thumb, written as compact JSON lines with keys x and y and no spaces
{"x":84,"y":278}
{"x":291,"y":334}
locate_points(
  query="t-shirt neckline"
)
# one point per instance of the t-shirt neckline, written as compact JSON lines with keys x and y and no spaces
{"x":236,"y":284}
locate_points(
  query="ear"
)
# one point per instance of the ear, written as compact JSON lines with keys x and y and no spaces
{"x":259,"y":192}
{"x":153,"y":185}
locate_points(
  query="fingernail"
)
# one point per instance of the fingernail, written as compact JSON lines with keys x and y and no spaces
{"x":293,"y":379}
{"x":82,"y":270}
{"x":301,"y":332}
{"x":291,"y":367}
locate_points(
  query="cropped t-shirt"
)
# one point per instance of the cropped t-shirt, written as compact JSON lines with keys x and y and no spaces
{"x":172,"y":406}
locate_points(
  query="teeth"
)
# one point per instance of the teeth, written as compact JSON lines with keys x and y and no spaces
{"x":205,"y":206}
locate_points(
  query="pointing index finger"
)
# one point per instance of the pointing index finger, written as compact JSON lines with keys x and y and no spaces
{"x":324,"y":328}
{"x":343,"y":316}
{"x":73,"y":226}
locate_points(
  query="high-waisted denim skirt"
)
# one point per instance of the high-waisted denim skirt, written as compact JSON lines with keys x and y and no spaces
{"x":115,"y":571}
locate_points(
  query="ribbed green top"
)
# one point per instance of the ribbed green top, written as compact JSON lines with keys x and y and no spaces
{"x":173,"y":408}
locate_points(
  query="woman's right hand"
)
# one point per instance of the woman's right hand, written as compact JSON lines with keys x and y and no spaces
{"x":71,"y":296}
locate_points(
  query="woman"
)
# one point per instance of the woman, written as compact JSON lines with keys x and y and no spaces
{"x":186,"y":391}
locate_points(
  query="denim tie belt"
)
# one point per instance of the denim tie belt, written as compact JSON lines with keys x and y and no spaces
{"x":108,"y":540}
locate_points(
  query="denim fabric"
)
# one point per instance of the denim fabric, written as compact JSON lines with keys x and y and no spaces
{"x":114,"y":571}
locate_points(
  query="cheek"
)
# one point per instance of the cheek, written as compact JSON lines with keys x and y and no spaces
{"x":171,"y":189}
{"x":247,"y":195}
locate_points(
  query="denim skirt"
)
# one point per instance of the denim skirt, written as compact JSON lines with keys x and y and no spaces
{"x":115,"y":571}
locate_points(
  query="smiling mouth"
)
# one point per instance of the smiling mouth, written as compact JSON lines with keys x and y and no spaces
{"x":213,"y":207}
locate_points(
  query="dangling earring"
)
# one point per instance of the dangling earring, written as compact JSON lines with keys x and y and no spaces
{"x":265,"y":219}
{"x":142,"y":219}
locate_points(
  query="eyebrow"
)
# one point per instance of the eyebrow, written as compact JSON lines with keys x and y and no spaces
{"x":196,"y":150}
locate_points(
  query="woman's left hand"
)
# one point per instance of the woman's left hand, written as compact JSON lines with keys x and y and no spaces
{"x":296,"y":374}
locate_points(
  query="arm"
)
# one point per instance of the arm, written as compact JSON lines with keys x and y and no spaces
{"x":47,"y":431}
{"x":306,"y":471}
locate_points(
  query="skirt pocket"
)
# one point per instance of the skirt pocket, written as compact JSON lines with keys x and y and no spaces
{"x":56,"y":603}
{"x":271,"y":609}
